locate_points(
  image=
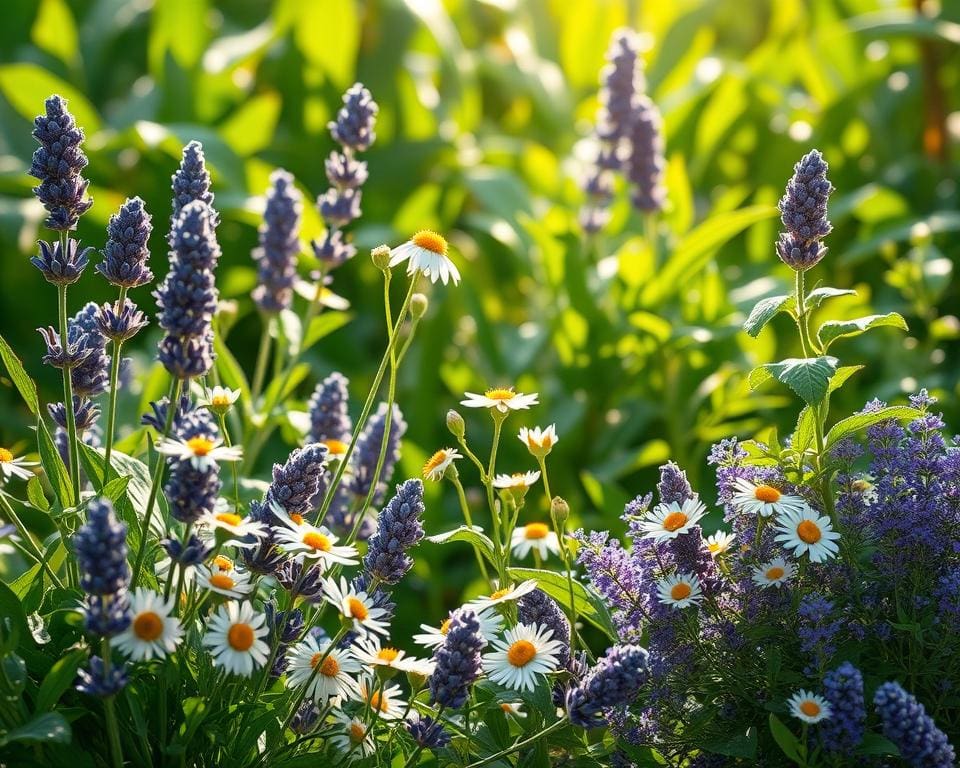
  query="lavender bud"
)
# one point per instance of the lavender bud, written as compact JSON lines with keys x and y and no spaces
{"x":537,"y":607}
{"x":353,"y":127}
{"x":296,"y":483}
{"x":58,"y":356}
{"x":803,"y":211}
{"x":192,"y":491}
{"x":188,"y":357}
{"x":345,"y":172}
{"x":192,"y":182}
{"x":339,"y":207}
{"x":85,"y":413}
{"x":190,"y":555}
{"x":121,"y":324}
{"x":427,"y":732}
{"x":59,"y":266}
{"x":615,"y":680}
{"x":126,"y":254}
{"x":458,"y":661}
{"x":276,"y":256}
{"x":333,"y":250}
{"x":842,"y":732}
{"x":367,"y":453}
{"x":645,"y":164}
{"x":399,"y":527}
{"x":329,"y":417}
{"x":100,"y":546}
{"x":907,"y":724}
{"x":96,"y":681}
{"x":91,"y":376}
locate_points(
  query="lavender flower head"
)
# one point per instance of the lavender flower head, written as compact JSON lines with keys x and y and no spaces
{"x":906,"y":723}
{"x":329,"y":417}
{"x":59,"y":266}
{"x":803,"y":211}
{"x":842,"y":732}
{"x":458,"y":662}
{"x":276,"y":256}
{"x":90,"y":376}
{"x":296,"y":483}
{"x":100,"y":546}
{"x":58,"y":163}
{"x":367,"y":453}
{"x":645,"y":163}
{"x":85,"y":413}
{"x":614,"y":681}
{"x":126,"y":254}
{"x":353,"y":127}
{"x":426,"y":732}
{"x":192,"y":491}
{"x":192,"y":182}
{"x":97,"y":681}
{"x":120,"y":323}
{"x":399,"y":527}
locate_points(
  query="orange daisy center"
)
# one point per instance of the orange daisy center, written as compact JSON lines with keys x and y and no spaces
{"x":5,"y":455}
{"x":506,"y":707}
{"x":317,"y":541}
{"x":221,"y":581}
{"x":379,"y":702}
{"x":434,"y":461}
{"x":810,"y":708}
{"x":680,"y":591}
{"x":357,"y":609}
{"x":536,"y":530}
{"x":521,"y":653}
{"x":223,"y":563}
{"x":240,"y":637}
{"x":357,"y":732}
{"x":388,"y":654}
{"x":500,"y":393}
{"x":335,"y":447}
{"x":329,"y":667}
{"x":148,"y":626}
{"x":431,"y":241}
{"x":229,"y":518}
{"x":500,"y":593}
{"x":809,"y":531}
{"x":200,"y":446}
{"x":775,"y":573}
{"x":767,"y":494}
{"x":674,"y":521}
{"x":297,"y":518}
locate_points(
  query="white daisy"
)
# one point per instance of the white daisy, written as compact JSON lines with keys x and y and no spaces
{"x":513,"y":592}
{"x":537,"y":536}
{"x":432,"y":637}
{"x":153,"y":632}
{"x":201,"y":451}
{"x":312,"y":543}
{"x":333,"y":678}
{"x":809,"y":707}
{"x":804,"y":530}
{"x":679,"y":590}
{"x":526,"y":651}
{"x":219,"y":399}
{"x":354,"y":737}
{"x":502,"y":398}
{"x":426,"y":252}
{"x":386,"y":700}
{"x":355,"y":605}
{"x":11,"y":466}
{"x":517,"y":481}
{"x":539,"y":441}
{"x":229,"y":582}
{"x":719,"y":542}
{"x":231,"y":528}
{"x":667,"y":521}
{"x":778,"y":571}
{"x":437,"y":464}
{"x":236,"y":638}
{"x":763,"y":500}
{"x":370,"y":652}
{"x":513,"y":708}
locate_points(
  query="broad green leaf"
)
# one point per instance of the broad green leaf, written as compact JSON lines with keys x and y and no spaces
{"x":743,"y":745}
{"x":136,"y":474}
{"x":803,"y":434}
{"x":840,"y":377}
{"x":116,"y":487}
{"x":589,"y":605}
{"x":763,"y":312}
{"x":759,"y":375}
{"x":36,"y":496}
{"x":817,"y":296}
{"x":11,"y":608}
{"x":860,"y":421}
{"x":60,"y":677}
{"x":177,"y":27}
{"x":328,"y":35}
{"x":832,"y":330}
{"x":19,"y":377}
{"x":471,"y":534}
{"x":50,"y":726}
{"x":251,"y":127}
{"x":807,"y":377}
{"x":27,"y":85}
{"x":53,"y":466}
{"x":785,"y":739}
{"x":323,"y":325}
{"x":875,"y":744}
{"x":55,"y":31}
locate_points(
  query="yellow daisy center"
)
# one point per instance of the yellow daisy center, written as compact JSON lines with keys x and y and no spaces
{"x":445,"y":627}
{"x":388,"y":654}
{"x":767,"y":494}
{"x":674,"y":521}
{"x":220,"y":401}
{"x":336,"y":447}
{"x":713,"y":547}
{"x":810,"y":708}
{"x":357,"y":609}
{"x":680,"y":591}
{"x":536,"y":530}
{"x":521,"y":653}
{"x":506,"y":707}
{"x":500,"y":593}
{"x":500,"y":393}
{"x":223,"y":563}
{"x":148,"y":626}
{"x":809,"y":531}
{"x":200,"y":446}
{"x":297,"y":518}
{"x":222,"y":581}
{"x":329,"y":667}
{"x":434,"y":461}
{"x":240,"y":637}
{"x":775,"y":573}
{"x":5,"y":456}
{"x":357,"y":732}
{"x":430,"y":241}
{"x":229,"y":518}
{"x":317,"y":541}
{"x":379,"y":702}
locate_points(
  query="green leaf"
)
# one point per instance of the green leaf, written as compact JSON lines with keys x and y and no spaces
{"x":832,"y":330}
{"x":136,"y":474}
{"x":807,"y":377}
{"x":328,"y":35}
{"x":742,"y":745}
{"x":589,"y":605}
{"x":817,"y":296}
{"x":472,"y":535}
{"x":860,"y":421}
{"x":55,"y":31}
{"x":12,"y":610}
{"x":323,"y":325}
{"x":843,"y":373}
{"x":59,"y":679}
{"x":785,"y":739}
{"x":53,"y":466}
{"x":27,"y":85}
{"x":251,"y":127}
{"x":36,"y":496}
{"x":804,"y":433}
{"x":19,"y":377}
{"x":116,"y":487}
{"x":50,"y":726}
{"x":875,"y":744}
{"x":763,"y":312}
{"x":177,"y":27}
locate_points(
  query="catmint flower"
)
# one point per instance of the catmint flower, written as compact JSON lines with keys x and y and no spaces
{"x":458,"y":661}
{"x":296,"y":483}
{"x":367,"y":452}
{"x":91,"y":376}
{"x":279,"y":247}
{"x":120,"y":323}
{"x":615,"y":680}
{"x":803,"y":211}
{"x":645,"y":163}
{"x":344,"y":171}
{"x":96,"y":681}
{"x":126,"y":253}
{"x":100,"y":546}
{"x":59,"y":266}
{"x":426,"y":732}
{"x":328,"y":407}
{"x":85,"y":413}
{"x":186,"y":556}
{"x":353,"y":127}
{"x":537,"y":607}
{"x":192,"y":182}
{"x":843,"y":731}
{"x":399,"y":527}
{"x":192,"y":491}
{"x":333,"y":250}
{"x":907,"y":724}
{"x":58,"y":163}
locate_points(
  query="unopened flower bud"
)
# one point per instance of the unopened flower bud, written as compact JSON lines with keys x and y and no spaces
{"x":560,"y":511}
{"x":456,"y":424}
{"x":418,"y":305}
{"x":381,"y":257}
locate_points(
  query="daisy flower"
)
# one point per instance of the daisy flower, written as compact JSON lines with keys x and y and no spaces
{"x":517,"y":481}
{"x":809,"y":707}
{"x":235,"y":530}
{"x":778,"y":571}
{"x":333,"y":678}
{"x":308,"y":541}
{"x":11,"y":466}
{"x":525,"y":652}
{"x":385,"y":700}
{"x":719,"y":542}
{"x":153,"y":632}
{"x":539,"y":441}
{"x":433,"y":637}
{"x":229,"y":582}
{"x":370,"y":652}
{"x":504,"y":399}
{"x":679,"y":590}
{"x":763,"y":500}
{"x":426,"y":252}
{"x":513,"y":592}
{"x":437,"y":464}
{"x":201,"y":451}
{"x":219,"y":400}
{"x":236,"y":638}
{"x":355,"y":605}
{"x":536,"y":536}
{"x":513,"y":708}
{"x":336,"y":449}
{"x":667,"y":521}
{"x":354,"y":737}
{"x":804,"y":530}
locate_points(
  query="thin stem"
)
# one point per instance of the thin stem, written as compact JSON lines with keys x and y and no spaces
{"x":498,"y":419}
{"x":263,"y":355}
{"x":233,"y":464}
{"x":650,"y":234}
{"x":33,"y":550}
{"x":465,"y":508}
{"x":559,"y":529}
{"x":519,"y":745}
{"x":113,"y":729}
{"x":412,"y":760}
{"x":112,"y":407}
{"x":73,"y":456}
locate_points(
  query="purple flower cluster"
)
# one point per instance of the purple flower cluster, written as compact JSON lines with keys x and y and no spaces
{"x":297,"y":482}
{"x":426,"y":732}
{"x":907,"y":724}
{"x":842,"y":732}
{"x":399,"y":528}
{"x":803,"y":211}
{"x":537,"y":607}
{"x":458,"y":662}
{"x":191,"y":182}
{"x":59,"y":265}
{"x":279,"y":247}
{"x":818,"y":629}
{"x":614,"y":681}
{"x":100,"y":546}
{"x":126,"y":254}
{"x":329,"y":417}
{"x":367,"y":454}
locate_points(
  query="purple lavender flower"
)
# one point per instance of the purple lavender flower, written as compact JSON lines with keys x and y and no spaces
{"x":90,"y":376}
{"x":427,"y":732}
{"x":329,"y":416}
{"x":344,"y":171}
{"x":58,"y":163}
{"x":673,"y":486}
{"x":458,"y":662}
{"x":907,"y":724}
{"x":290,"y":575}
{"x":120,"y":323}
{"x":157,"y":418}
{"x":843,"y":731}
{"x":96,"y":681}
{"x":333,"y":250}
{"x":85,"y":413}
{"x":817,"y":631}
{"x":186,"y":357}
{"x":285,"y":628}
{"x":339,"y":207}
{"x":367,"y":453}
{"x":59,"y":266}
{"x":645,"y":163}
{"x":399,"y":527}
{"x":265,"y":557}
{"x":306,"y":718}
{"x":537,"y":607}
{"x":803,"y":211}
{"x":296,"y":483}
{"x":126,"y":254}
{"x":192,"y":182}
{"x":279,"y":247}
{"x":353,"y":127}
{"x":192,"y":491}
{"x":188,"y":555}
{"x":100,"y":546}
{"x":614,"y":681}
{"x":62,"y":355}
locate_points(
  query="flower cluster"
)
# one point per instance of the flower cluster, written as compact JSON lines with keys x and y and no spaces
{"x":279,"y":247}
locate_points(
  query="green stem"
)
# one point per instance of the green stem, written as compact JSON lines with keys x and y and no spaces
{"x":113,"y":729}
{"x":263,"y":355}
{"x":465,"y":508}
{"x":33,"y":550}
{"x":564,"y":552}
{"x":112,"y":407}
{"x":73,"y":457}
{"x":518,"y":746}
{"x":233,"y":464}
{"x":498,"y":419}
{"x":650,"y":234}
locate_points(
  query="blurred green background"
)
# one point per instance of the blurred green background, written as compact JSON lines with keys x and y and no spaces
{"x":486,"y":109}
